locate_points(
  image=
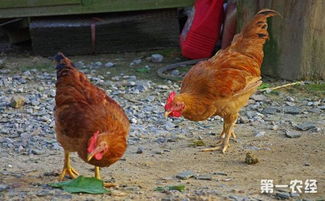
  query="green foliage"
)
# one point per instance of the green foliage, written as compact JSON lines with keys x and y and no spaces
{"x":82,"y":185}
{"x":143,"y":70}
{"x":264,"y":86}
{"x":316,"y":87}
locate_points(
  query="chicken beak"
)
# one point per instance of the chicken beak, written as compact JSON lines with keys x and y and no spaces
{"x":97,"y":150}
{"x":167,"y":114}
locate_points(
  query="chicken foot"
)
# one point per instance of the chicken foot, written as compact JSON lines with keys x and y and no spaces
{"x":67,"y":169}
{"x":223,"y":134}
{"x":228,"y":131}
{"x":97,"y":175}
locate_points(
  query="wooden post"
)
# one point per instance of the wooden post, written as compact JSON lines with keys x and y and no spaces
{"x":296,"y":49}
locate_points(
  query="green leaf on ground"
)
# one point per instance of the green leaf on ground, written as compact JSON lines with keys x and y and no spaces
{"x":179,"y":188}
{"x":143,"y":70}
{"x":82,"y":185}
{"x":264,"y":86}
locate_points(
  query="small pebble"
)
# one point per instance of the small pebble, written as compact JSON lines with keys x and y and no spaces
{"x":204,"y":177}
{"x":292,"y":134}
{"x":282,"y":195}
{"x":260,"y":134}
{"x":17,"y":101}
{"x":157,"y":58}
{"x":109,"y":64}
{"x":185,"y":175}
{"x":139,"y":150}
{"x":306,"y":126}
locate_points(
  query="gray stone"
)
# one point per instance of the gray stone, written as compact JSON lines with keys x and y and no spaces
{"x":243,"y":120}
{"x":169,"y":126}
{"x":270,"y":110}
{"x":157,"y":58}
{"x":282,"y":195}
{"x":306,"y":126}
{"x":260,"y":134}
{"x":314,"y":110}
{"x":134,"y":120}
{"x":37,"y":152}
{"x":250,"y":114}
{"x":275,"y":127}
{"x":3,"y":187}
{"x":185,"y":175}
{"x":310,"y":103}
{"x":292,"y":134}
{"x":17,"y":101}
{"x":98,"y":64}
{"x":291,"y":110}
{"x":115,"y":78}
{"x":165,"y":87}
{"x":133,"y":77}
{"x":151,"y":98}
{"x":204,"y":177}
{"x":169,"y":198}
{"x":35,"y":102}
{"x":221,"y":173}
{"x":43,"y":193}
{"x":135,"y":62}
{"x":131,"y":188}
{"x":257,"y":97}
{"x":289,"y":98}
{"x":131,"y":83}
{"x":109,"y":64}
{"x":294,"y":195}
{"x":238,"y":198}
{"x":290,"y":103}
{"x":79,"y":64}
{"x":2,"y":63}
{"x":175,"y":72}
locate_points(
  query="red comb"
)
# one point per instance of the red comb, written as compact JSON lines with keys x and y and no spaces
{"x":171,"y":96}
{"x":92,"y":142}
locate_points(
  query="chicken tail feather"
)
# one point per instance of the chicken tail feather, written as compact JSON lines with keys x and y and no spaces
{"x":62,"y":61}
{"x":257,"y":27}
{"x":268,"y":13}
{"x":63,"y":65}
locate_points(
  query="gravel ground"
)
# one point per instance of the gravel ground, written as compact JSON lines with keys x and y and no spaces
{"x":284,"y":129}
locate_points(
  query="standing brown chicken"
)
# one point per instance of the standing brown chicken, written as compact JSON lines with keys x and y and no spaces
{"x":223,"y":84}
{"x":87,"y":120}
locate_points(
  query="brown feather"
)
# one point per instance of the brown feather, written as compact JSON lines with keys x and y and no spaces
{"x":223,"y":84}
{"x":81,"y":110}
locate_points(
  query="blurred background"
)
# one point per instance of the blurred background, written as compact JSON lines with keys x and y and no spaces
{"x":79,"y":27}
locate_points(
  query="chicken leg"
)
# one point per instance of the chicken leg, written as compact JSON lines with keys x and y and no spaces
{"x":223,"y":133}
{"x":97,"y":175}
{"x":228,"y":131}
{"x":67,"y":169}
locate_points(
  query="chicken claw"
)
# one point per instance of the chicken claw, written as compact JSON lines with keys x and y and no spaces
{"x":223,"y":134}
{"x":222,"y":145}
{"x":106,"y":185}
{"x":67,"y":169}
{"x":110,"y":185}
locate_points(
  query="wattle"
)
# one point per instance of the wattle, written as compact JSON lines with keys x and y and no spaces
{"x":98,"y":156}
